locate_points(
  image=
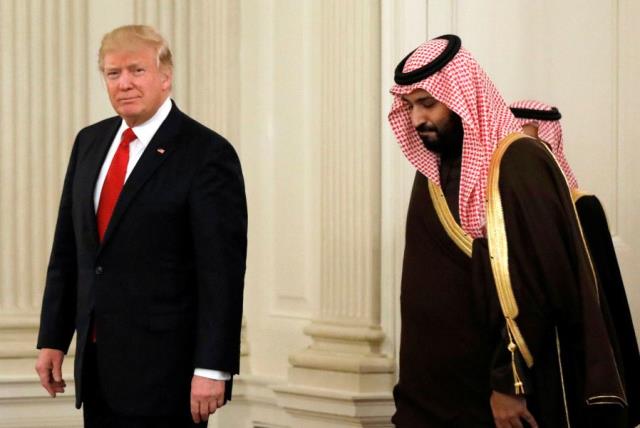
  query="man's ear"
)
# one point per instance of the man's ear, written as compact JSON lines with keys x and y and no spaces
{"x":167,"y":77}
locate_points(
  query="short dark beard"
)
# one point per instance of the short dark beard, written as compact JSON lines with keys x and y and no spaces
{"x":448,"y":143}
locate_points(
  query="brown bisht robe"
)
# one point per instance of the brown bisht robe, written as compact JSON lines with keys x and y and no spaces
{"x":454,"y":339}
{"x":596,"y":232}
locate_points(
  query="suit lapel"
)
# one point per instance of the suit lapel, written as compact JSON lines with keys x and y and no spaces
{"x":92,"y":166}
{"x":159,"y":149}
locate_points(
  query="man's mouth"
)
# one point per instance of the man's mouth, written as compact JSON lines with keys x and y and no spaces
{"x":425,"y":129}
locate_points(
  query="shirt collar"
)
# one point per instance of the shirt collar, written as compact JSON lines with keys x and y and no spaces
{"x":148,"y":129}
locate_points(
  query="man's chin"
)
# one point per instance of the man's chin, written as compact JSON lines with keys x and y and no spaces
{"x":129,"y":110}
{"x":433,"y":145}
{"x":129,"y":104}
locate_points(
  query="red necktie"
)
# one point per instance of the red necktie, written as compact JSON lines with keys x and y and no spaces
{"x":111,"y":191}
{"x":113,"y":182}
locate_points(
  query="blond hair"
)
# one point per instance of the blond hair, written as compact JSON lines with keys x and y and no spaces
{"x":130,"y":37}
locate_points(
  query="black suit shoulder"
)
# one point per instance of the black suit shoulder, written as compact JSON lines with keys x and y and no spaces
{"x":204,"y":144}
{"x":202,"y":136}
{"x":97,"y":129}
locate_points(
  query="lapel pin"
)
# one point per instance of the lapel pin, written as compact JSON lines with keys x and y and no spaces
{"x":161,"y":151}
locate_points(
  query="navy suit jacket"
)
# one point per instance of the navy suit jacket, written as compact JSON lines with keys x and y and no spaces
{"x":165,"y":286}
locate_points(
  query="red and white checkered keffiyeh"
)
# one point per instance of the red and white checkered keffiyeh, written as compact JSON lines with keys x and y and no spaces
{"x":551,"y":132}
{"x":465,"y":89}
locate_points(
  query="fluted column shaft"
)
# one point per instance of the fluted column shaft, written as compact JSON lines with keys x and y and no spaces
{"x":43,"y":81}
{"x":345,"y":356}
{"x":350,"y":162}
{"x":348,"y":87}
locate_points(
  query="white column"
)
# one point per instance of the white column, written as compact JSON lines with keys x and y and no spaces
{"x":43,"y":81}
{"x":343,"y":378}
{"x":44,"y":102}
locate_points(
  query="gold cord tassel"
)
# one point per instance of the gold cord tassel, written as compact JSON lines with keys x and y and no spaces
{"x":517,"y":382}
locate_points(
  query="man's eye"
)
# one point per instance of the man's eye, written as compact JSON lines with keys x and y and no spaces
{"x":138,"y":71}
{"x":112,"y":74}
{"x":429,"y":103}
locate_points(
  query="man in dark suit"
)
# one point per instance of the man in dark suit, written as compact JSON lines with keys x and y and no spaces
{"x":148,"y":256}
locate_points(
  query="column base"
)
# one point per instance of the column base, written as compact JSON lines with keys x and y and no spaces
{"x":341,"y":380}
{"x":18,"y":334}
{"x":316,"y":409}
{"x":25,"y":403}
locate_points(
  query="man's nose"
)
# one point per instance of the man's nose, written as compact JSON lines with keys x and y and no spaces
{"x":418,"y":117}
{"x":125,"y":82}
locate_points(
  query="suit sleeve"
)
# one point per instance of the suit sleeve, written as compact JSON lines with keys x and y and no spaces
{"x":218,"y":214}
{"x":57,"y":319}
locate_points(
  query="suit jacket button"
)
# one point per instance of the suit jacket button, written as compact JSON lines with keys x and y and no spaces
{"x":99,"y":270}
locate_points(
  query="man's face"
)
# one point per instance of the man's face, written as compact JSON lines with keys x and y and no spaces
{"x":531,"y":129}
{"x":435,"y":123}
{"x":136,"y":86}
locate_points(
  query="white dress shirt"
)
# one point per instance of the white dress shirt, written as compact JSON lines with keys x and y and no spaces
{"x":144,"y":134}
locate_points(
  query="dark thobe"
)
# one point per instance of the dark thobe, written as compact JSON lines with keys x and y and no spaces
{"x":453,"y":350}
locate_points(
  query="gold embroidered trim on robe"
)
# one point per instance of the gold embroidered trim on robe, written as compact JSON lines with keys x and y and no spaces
{"x":499,"y":251}
{"x":461,"y":238}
